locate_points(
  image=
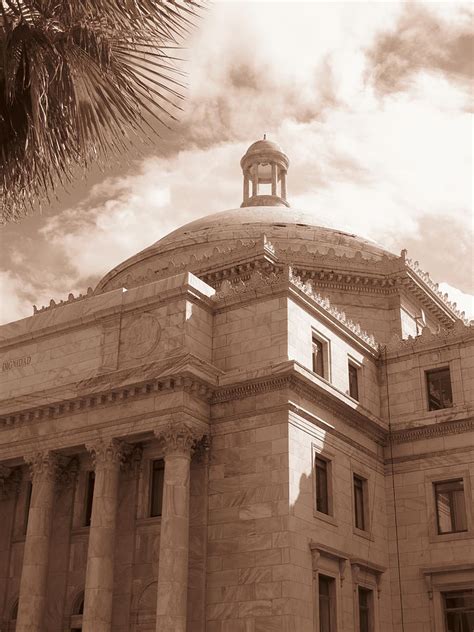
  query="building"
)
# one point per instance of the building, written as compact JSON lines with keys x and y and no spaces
{"x":254,"y":425}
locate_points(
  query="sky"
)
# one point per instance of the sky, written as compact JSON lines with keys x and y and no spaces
{"x":372,"y":102}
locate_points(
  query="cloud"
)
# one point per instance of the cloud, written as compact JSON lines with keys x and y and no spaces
{"x":390,"y":164}
{"x":424,"y":39}
{"x":464,"y":302}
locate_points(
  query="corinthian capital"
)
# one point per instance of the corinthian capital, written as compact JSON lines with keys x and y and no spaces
{"x":178,"y":438}
{"x":44,"y":465}
{"x":108,"y":452}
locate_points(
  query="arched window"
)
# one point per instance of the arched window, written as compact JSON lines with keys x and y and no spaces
{"x":77,"y":612}
{"x":13,"y":617}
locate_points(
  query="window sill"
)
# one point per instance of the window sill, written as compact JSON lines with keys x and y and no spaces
{"x":80,"y":531}
{"x":148,"y":521}
{"x":367,"y":535}
{"x":449,"y":537}
{"x":325,"y":517}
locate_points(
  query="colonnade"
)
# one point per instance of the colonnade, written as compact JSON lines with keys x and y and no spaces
{"x":178,"y":442}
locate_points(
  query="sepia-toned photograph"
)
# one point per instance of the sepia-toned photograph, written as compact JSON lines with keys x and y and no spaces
{"x":236,"y":316}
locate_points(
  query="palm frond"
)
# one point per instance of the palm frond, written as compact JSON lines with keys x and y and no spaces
{"x":78,"y":81}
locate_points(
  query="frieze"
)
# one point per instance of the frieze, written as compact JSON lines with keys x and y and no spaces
{"x":432,"y":430}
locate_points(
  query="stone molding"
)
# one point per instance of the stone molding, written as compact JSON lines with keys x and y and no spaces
{"x":430,"y":431}
{"x":109,"y":396}
{"x":107,"y":453}
{"x":179,"y":438}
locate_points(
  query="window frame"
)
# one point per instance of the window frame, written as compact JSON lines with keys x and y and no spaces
{"x":432,"y":371}
{"x":357,"y":366}
{"x":363,"y":492}
{"x":332,"y":601}
{"x":326,"y":354}
{"x":330,"y":459}
{"x":445,"y":476}
{"x":370,"y":607}
{"x":88,"y":498}
{"x":151,"y":483}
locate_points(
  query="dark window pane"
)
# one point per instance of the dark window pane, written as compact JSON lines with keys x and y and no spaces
{"x":353,"y":382}
{"x":459,"y":610}
{"x":365,"y":614}
{"x":318,"y":359}
{"x":89,"y":498}
{"x":439,"y":389}
{"x":322,"y":499}
{"x":451,"y":506}
{"x":29,"y":490}
{"x":359,"y":502}
{"x":157,"y":480}
{"x":326,"y":605}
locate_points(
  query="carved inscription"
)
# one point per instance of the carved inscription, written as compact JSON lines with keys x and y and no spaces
{"x":18,"y":363}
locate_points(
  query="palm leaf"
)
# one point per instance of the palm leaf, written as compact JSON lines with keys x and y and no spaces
{"x":78,"y":81}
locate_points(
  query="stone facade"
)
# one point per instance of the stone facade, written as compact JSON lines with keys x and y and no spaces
{"x":198,"y":351}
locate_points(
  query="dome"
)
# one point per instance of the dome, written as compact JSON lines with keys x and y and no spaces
{"x":265,"y":145}
{"x":284,"y":227}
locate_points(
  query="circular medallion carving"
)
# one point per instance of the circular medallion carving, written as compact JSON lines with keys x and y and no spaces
{"x":142,"y":336}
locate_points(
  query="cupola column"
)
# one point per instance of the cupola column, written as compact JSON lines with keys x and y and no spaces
{"x":274,"y":179}
{"x":283,"y":184}
{"x":31,"y":606}
{"x":246,"y":186}
{"x":178,"y":441}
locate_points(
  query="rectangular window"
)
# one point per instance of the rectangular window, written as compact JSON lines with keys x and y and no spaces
{"x":353,"y":381}
{"x":327,"y":619}
{"x":450,"y":506}
{"x":29,"y":490}
{"x":438,"y":384}
{"x":156,"y":491}
{"x":322,"y":490}
{"x":459,"y":610}
{"x":359,"y":508}
{"x":365,"y":610}
{"x":90,"y":482}
{"x":318,"y":357}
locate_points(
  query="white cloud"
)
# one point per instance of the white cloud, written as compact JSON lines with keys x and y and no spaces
{"x":464,"y":302}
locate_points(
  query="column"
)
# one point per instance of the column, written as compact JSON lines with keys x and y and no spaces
{"x":44,"y":469}
{"x":283,"y":184}
{"x":255,"y":180}
{"x":274,"y":178}
{"x":107,"y":457}
{"x":178,"y":442}
{"x":246,"y":186}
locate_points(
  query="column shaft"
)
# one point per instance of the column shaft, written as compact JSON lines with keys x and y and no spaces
{"x":178,"y":442}
{"x":255,"y":181}
{"x":32,"y":598}
{"x":98,"y":592}
{"x":283,"y":185}
{"x":274,"y":178}
{"x":246,"y":186}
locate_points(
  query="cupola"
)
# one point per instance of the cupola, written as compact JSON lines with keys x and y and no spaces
{"x":264,"y":167}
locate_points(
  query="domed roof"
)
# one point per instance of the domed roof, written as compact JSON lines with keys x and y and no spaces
{"x":264,"y":145}
{"x":284,"y":228}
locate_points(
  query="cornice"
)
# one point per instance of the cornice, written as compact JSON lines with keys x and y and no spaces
{"x":190,"y":376}
{"x":431,"y":431}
